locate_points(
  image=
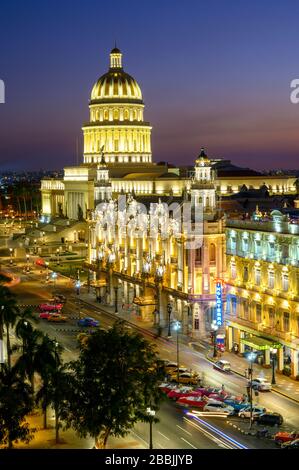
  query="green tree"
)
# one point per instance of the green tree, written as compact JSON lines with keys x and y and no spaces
{"x":15,"y":403}
{"x":25,"y":322}
{"x":49,"y":361}
{"x":115,"y":379}
{"x":8,"y":317}
{"x":28,"y":363}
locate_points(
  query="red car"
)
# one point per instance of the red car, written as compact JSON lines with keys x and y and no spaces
{"x":281,"y":437}
{"x":45,"y":315}
{"x":182,"y":392}
{"x":166,"y":387}
{"x":195,"y":402}
{"x":50,"y":307}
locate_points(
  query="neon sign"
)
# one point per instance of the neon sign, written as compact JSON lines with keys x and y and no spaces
{"x":219,"y":313}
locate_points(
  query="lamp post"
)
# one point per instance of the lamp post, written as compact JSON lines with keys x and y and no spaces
{"x":159,"y":281}
{"x":11,"y":250}
{"x":27,"y":260}
{"x":214,"y":327}
{"x":169,"y":310}
{"x":54,"y":277}
{"x":34,"y":246}
{"x":251,"y":358}
{"x":177,"y":327}
{"x":151,"y":414}
{"x":44,"y":233}
{"x":47,"y":271}
{"x":78,"y":285}
{"x":57,"y":256}
{"x":273,"y":352}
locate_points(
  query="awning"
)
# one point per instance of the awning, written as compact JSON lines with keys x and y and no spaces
{"x":260,"y":344}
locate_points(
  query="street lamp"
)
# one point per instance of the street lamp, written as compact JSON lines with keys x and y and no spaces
{"x":44,"y":233}
{"x":54,"y":277}
{"x":47,"y":271}
{"x":214,"y":327}
{"x":177,"y":327}
{"x":151,"y":414}
{"x":78,"y":285}
{"x":158,"y":282}
{"x":251,"y":357}
{"x":273,"y":352}
{"x":57,"y":256}
{"x":11,"y":250}
{"x":27,"y":259}
{"x":169,"y":310}
{"x":35,"y":246}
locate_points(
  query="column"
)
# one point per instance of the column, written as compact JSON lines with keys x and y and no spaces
{"x":294,"y":363}
{"x":241,"y":345}
{"x":267,"y":357}
{"x":279,"y":359}
{"x":229,"y":338}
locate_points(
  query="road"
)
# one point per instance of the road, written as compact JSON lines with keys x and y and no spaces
{"x":176,"y":429}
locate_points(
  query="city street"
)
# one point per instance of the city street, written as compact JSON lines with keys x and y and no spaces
{"x":175,"y":430}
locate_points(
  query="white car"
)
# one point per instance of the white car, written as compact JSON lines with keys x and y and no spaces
{"x":261,"y":384}
{"x":218,"y":407}
{"x":256,"y":410}
{"x":222,"y":365}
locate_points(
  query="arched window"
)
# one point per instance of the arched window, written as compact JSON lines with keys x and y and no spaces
{"x":135,"y":115}
{"x":212,"y":255}
{"x":198,"y":255}
{"x":106,"y":115}
{"x":116,"y":114}
{"x":126,"y":115}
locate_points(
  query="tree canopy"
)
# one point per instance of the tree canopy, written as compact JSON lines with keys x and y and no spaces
{"x":114,"y":381}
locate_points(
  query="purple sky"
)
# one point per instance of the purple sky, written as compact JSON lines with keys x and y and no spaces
{"x":213,"y":73}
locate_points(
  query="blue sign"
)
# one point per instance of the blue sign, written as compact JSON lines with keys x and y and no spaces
{"x":219,"y":316}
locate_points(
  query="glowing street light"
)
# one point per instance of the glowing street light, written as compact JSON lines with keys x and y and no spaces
{"x":177,"y":327}
{"x":251,"y":358}
{"x":11,"y":251}
{"x":273,"y":352}
{"x":214,"y":327}
{"x":151,"y":414}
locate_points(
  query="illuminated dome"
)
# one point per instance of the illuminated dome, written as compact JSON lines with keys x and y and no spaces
{"x":116,"y":85}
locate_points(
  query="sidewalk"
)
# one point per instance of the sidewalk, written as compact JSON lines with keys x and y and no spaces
{"x":284,"y":385}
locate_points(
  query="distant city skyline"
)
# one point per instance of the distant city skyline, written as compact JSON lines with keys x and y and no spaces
{"x":212,"y":74}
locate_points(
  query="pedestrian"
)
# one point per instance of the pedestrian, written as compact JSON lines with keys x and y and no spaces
{"x":222,"y":387}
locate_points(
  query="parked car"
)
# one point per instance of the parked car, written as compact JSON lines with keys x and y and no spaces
{"x":207,"y":391}
{"x":218,"y":407}
{"x":50,"y":307}
{"x":256,"y":411}
{"x":222,"y":365}
{"x":237,"y":405}
{"x":291,"y":444}
{"x":281,"y":437}
{"x":57,"y":317}
{"x":196,"y":402}
{"x":88,"y":321}
{"x":166,"y":387}
{"x":178,"y":392}
{"x":186,"y":378}
{"x":272,"y":419}
{"x":261,"y":384}
{"x":45,"y":315}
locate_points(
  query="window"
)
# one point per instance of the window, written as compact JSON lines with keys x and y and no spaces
{"x":245,"y":274}
{"x":233,"y":270}
{"x":285,"y":282}
{"x":257,"y":247}
{"x":286,"y":321}
{"x":212,"y":253}
{"x":233,"y":305}
{"x":271,"y":317}
{"x":271,"y":250}
{"x":258,"y":313}
{"x":258,"y":276}
{"x":233,"y":244}
{"x":271,"y":279}
{"x":245,"y":245}
{"x":126,"y":115}
{"x":198,"y":255}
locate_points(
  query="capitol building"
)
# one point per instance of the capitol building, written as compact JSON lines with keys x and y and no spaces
{"x":156,"y":234}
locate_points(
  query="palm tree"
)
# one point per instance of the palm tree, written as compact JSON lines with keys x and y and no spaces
{"x":49,"y":359}
{"x":16,"y":402}
{"x":26,"y":363}
{"x":24,"y":324}
{"x":9,"y":312}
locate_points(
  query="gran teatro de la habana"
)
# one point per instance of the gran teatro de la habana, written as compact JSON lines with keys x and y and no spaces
{"x":172,"y":243}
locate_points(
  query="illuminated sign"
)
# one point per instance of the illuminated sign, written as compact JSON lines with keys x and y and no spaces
{"x":219,"y":315}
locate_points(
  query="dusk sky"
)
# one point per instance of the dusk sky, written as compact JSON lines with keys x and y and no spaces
{"x":213,"y":73}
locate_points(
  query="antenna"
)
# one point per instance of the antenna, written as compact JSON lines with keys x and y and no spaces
{"x":77,"y":151}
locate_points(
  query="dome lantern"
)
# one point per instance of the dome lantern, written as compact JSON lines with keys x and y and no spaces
{"x":115,"y":59}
